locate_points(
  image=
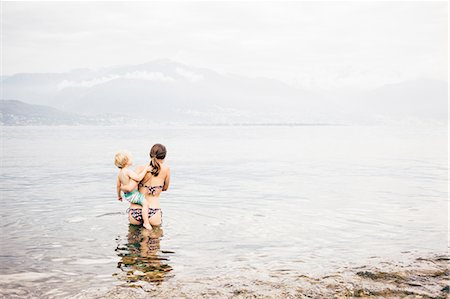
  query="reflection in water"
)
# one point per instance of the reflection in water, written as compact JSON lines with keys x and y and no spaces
{"x":139,"y":256}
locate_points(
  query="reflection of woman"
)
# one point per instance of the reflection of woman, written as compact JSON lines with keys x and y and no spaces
{"x":155,"y":181}
{"x":139,"y":259}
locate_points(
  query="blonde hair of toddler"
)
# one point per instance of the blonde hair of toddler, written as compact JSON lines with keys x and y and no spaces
{"x":122,"y":158}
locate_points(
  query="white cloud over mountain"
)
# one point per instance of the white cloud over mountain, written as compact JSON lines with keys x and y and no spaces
{"x":170,"y":91}
{"x":191,"y":76}
{"x":139,"y":75}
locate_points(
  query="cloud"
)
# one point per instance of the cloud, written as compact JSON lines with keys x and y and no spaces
{"x":191,"y":76}
{"x":86,"y":83}
{"x":139,"y":75}
{"x":151,"y":76}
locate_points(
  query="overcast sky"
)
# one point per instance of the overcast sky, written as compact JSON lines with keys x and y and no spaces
{"x":318,"y":45}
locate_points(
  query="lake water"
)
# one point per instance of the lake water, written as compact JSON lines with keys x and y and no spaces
{"x":247,"y":205}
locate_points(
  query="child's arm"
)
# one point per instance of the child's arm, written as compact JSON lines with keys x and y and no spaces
{"x":134,"y":178}
{"x":138,"y":177}
{"x":119,"y":195}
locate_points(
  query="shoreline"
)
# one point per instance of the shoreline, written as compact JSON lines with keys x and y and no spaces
{"x":422,"y":277}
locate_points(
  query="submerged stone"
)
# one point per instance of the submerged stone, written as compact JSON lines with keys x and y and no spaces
{"x":380,"y":275}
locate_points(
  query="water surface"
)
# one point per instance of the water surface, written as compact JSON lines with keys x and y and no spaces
{"x":269,"y":203}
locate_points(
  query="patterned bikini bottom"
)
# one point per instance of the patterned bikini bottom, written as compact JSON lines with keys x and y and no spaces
{"x":137,"y":213}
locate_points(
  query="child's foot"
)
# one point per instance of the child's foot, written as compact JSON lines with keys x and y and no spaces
{"x":148,"y":226}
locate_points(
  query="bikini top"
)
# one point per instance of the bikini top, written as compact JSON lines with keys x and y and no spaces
{"x":151,"y":189}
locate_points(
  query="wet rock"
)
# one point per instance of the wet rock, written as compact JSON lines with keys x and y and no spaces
{"x":381,"y":275}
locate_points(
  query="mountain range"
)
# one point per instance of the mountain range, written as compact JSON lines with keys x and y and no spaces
{"x":164,"y":90}
{"x":15,"y":112}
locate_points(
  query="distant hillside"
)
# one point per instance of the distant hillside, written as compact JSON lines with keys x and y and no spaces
{"x":13,"y":112}
{"x":164,"y":90}
{"x":167,"y":91}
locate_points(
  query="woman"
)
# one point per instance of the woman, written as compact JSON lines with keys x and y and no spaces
{"x":155,"y":181}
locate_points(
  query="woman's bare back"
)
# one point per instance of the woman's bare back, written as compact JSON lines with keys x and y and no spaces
{"x":151,"y":186}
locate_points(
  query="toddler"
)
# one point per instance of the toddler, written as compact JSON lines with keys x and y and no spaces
{"x":123,"y":160}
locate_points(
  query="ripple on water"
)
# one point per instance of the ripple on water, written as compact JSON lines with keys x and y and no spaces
{"x":96,"y":261}
{"x":25,"y":276}
{"x":110,"y":214}
{"x":75,"y":219}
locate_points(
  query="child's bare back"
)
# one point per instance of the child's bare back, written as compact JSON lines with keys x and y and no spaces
{"x":124,"y":176}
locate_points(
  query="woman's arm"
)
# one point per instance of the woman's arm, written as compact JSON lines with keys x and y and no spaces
{"x":167,"y":180}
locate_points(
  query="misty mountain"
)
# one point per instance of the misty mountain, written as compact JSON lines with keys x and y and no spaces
{"x":166,"y":90}
{"x":13,"y":112}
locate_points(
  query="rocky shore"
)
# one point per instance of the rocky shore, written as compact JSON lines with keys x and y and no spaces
{"x":417,"y":278}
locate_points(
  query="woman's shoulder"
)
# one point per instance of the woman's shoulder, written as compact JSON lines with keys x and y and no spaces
{"x":165,"y":168}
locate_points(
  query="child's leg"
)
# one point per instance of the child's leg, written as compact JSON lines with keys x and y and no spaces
{"x":145,"y":214}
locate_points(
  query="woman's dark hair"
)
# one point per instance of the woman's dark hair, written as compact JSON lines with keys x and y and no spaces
{"x":158,"y":151}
